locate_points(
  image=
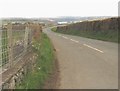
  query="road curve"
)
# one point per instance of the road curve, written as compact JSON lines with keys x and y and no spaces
{"x":85,"y":63}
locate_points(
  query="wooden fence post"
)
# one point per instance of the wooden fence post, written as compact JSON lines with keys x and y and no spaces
{"x":30,"y":39}
{"x":26,"y":38}
{"x":0,"y":59}
{"x":10,"y":44}
{"x":0,"y":48}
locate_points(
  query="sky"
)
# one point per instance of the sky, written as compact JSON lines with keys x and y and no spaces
{"x":56,"y":8}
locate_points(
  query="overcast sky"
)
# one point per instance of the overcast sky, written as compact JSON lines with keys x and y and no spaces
{"x":55,"y":8}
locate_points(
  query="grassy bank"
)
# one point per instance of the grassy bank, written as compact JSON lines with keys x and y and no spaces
{"x":44,"y":64}
{"x":111,"y":36}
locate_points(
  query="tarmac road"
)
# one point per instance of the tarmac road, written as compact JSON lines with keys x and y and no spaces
{"x":85,"y":63}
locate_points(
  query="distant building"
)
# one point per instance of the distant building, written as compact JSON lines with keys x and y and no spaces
{"x":62,"y":23}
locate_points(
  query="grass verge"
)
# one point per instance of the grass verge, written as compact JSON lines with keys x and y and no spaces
{"x":111,"y":36}
{"x":44,"y":64}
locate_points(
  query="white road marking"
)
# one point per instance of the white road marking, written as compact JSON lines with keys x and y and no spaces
{"x":83,"y":44}
{"x":93,"y":48}
{"x":65,"y":37}
{"x":74,"y":40}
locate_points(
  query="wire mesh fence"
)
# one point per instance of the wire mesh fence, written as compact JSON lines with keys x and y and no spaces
{"x":15,"y":42}
{"x":3,"y":47}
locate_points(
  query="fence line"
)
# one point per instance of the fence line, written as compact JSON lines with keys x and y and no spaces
{"x":15,"y":42}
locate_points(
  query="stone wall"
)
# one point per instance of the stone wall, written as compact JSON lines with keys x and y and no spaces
{"x":15,"y":75}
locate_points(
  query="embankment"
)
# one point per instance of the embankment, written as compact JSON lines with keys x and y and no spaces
{"x":44,"y":66}
{"x":105,"y":29}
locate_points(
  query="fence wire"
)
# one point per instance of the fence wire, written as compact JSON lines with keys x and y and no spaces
{"x":14,"y":44}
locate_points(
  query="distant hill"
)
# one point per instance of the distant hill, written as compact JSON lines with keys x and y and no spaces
{"x":71,"y":18}
{"x":54,"y":21}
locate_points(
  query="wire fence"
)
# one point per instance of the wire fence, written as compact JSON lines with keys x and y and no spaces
{"x":15,"y":42}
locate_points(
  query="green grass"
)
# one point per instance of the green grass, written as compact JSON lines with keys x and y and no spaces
{"x":45,"y":61}
{"x":54,"y":29}
{"x":111,"y":35}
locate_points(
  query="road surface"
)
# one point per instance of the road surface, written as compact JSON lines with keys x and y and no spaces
{"x":85,"y":63}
